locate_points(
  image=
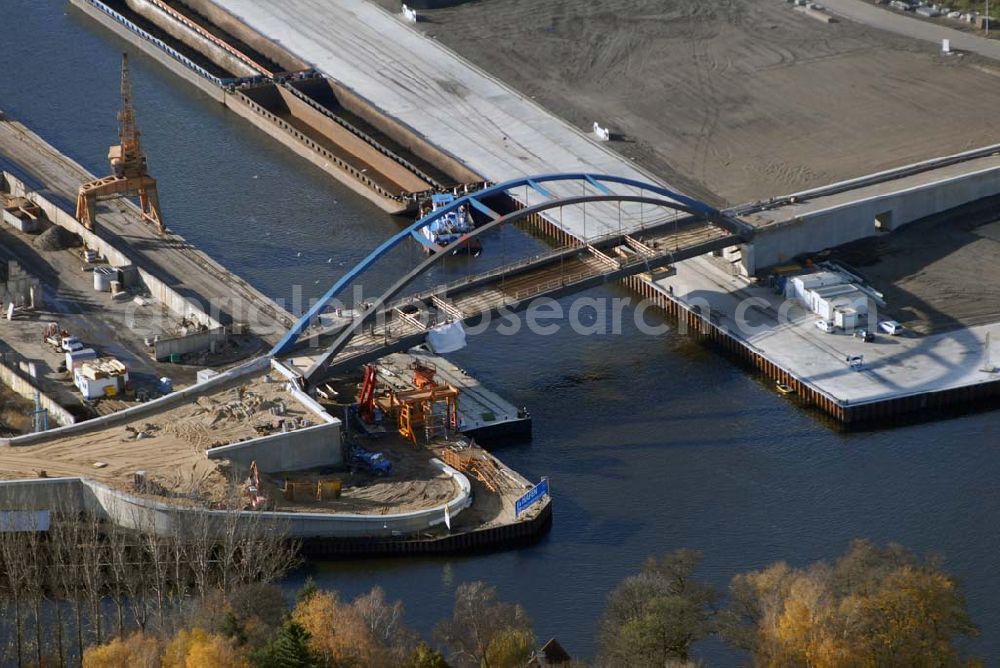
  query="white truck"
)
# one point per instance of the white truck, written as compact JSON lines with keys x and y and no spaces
{"x":60,"y":339}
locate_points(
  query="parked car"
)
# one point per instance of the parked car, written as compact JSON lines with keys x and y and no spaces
{"x":825,"y":325}
{"x":891,"y":327}
{"x":864,"y":335}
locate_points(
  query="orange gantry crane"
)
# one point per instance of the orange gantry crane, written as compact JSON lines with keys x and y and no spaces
{"x":128,"y":166}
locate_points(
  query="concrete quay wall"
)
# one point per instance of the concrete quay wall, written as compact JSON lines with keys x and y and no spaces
{"x":190,"y":343}
{"x":841,"y":223}
{"x":311,"y":447}
{"x":68,"y":495}
{"x":917,"y":405}
{"x":26,"y":388}
{"x":149,"y":408}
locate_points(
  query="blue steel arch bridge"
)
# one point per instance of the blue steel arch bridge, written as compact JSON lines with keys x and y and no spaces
{"x":634,"y":227}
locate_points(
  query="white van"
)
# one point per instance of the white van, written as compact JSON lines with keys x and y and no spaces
{"x":825,"y":325}
{"x":890,"y":327}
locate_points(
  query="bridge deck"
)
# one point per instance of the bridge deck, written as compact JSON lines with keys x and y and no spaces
{"x":459,"y":108}
{"x":562,"y":271}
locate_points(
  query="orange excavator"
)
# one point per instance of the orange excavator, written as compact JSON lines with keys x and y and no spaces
{"x":128,"y":166}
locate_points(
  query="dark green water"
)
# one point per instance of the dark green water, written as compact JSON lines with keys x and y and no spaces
{"x":651,"y":443}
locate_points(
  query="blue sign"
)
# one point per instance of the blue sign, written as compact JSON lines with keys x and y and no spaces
{"x":531,"y":497}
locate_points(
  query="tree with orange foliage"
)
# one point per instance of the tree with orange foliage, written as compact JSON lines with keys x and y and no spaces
{"x":196,"y":648}
{"x":873,"y":606}
{"x":338,"y":634}
{"x":136,"y":651}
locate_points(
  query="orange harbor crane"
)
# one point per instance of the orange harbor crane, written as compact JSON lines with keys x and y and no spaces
{"x":128,"y":166}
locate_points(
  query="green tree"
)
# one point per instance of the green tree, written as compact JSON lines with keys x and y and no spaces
{"x":425,"y":656}
{"x":654,"y":617}
{"x":308,"y":589}
{"x":288,"y":649}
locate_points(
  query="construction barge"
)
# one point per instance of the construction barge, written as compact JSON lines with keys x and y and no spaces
{"x":311,"y":113}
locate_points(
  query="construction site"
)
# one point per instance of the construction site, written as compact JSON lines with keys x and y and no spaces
{"x":211,"y":439}
{"x":76,"y":291}
{"x":346,"y":419}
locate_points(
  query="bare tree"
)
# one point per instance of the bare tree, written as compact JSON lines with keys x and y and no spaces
{"x":384,"y":619}
{"x":481,"y":625}
{"x":34,"y":581}
{"x":16,"y":572}
{"x":91,"y":559}
{"x":116,"y":548}
{"x":64,"y":542}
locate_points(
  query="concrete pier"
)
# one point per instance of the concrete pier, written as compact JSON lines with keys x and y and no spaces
{"x":188,"y":273}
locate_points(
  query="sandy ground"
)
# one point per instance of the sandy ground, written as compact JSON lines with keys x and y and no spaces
{"x":413,"y":485}
{"x":733,"y":100}
{"x":936,"y":274}
{"x":172,"y":451}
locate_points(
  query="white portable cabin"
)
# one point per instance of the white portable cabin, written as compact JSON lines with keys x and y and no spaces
{"x":75,"y":358}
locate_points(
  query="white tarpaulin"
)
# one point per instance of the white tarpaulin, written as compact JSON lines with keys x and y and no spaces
{"x":446,"y":338}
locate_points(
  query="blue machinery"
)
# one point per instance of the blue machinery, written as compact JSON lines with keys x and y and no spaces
{"x":475,"y":200}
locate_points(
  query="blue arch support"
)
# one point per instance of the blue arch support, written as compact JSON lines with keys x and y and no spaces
{"x":474,"y":199}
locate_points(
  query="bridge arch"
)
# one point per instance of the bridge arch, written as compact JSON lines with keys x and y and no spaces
{"x":673,"y":200}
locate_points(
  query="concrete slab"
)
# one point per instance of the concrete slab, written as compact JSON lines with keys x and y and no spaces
{"x":894,"y":366}
{"x":459,"y":108}
{"x":788,"y":213}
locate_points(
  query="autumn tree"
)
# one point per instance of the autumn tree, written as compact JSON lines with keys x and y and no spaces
{"x":196,"y":647}
{"x":338,"y":635}
{"x":137,"y":650}
{"x":653,"y":618}
{"x":484,"y":631}
{"x":873,"y":606}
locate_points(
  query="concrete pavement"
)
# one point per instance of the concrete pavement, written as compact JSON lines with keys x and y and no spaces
{"x":894,"y":366}
{"x":459,"y":108}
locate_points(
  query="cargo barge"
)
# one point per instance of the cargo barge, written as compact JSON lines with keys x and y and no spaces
{"x":309,"y":112}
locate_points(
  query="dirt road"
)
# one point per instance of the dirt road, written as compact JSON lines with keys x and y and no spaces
{"x":930,"y":31}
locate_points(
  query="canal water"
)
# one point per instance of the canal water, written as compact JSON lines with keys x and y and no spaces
{"x":651,"y":443}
